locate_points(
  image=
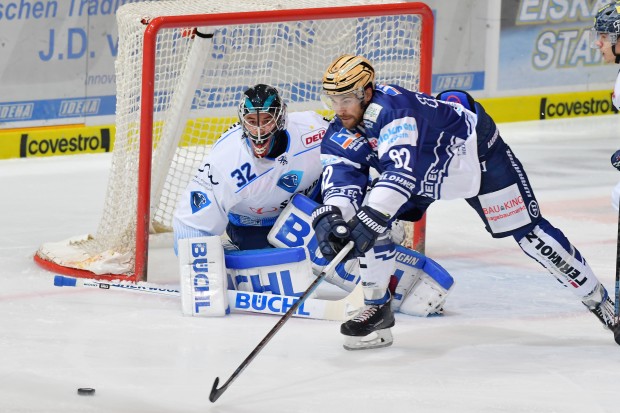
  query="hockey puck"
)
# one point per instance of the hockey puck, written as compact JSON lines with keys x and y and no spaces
{"x":86,"y":391}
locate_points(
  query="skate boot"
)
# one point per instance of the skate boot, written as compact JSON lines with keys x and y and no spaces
{"x":370,"y":328}
{"x":599,"y":304}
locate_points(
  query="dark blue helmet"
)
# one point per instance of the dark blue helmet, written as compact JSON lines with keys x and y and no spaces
{"x":607,"y":20}
{"x":262,"y":114}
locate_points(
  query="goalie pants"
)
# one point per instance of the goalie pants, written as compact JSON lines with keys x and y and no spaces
{"x":248,"y":238}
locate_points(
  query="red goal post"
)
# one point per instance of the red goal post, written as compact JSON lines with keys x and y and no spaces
{"x":396,"y":37}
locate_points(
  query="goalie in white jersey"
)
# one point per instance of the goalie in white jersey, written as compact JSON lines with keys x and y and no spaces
{"x":252,"y":171}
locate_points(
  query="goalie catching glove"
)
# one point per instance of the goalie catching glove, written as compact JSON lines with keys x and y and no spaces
{"x":363,"y":229}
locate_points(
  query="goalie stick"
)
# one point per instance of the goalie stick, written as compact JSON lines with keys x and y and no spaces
{"x":217,"y":392}
{"x":242,"y":301}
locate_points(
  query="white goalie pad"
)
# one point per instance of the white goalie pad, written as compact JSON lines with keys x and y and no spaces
{"x":277,"y":271}
{"x":203,"y":277}
{"x":293,"y":229}
{"x":419,"y":284}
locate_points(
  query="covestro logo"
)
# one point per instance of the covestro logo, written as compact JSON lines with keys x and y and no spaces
{"x":553,"y":107}
{"x":92,"y":141}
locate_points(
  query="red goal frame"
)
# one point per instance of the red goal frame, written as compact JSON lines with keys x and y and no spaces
{"x":156,"y":24}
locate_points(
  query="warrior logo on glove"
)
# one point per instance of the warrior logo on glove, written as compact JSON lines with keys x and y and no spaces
{"x":332,"y":232}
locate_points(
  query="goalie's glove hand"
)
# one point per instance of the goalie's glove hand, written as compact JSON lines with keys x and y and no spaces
{"x":330,"y":229}
{"x":365,"y":228}
{"x":615,"y":160}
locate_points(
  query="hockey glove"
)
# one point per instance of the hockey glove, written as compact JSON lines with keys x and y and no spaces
{"x":330,"y":229}
{"x":365,"y":228}
{"x":615,"y":160}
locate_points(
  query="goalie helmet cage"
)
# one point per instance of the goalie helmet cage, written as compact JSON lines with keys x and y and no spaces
{"x":181,"y":69}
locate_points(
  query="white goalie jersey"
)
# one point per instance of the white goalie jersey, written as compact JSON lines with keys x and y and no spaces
{"x":232,"y":185}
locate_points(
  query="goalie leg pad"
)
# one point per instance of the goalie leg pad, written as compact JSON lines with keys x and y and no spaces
{"x":277,"y":271}
{"x":420,"y":285}
{"x":203,"y":277}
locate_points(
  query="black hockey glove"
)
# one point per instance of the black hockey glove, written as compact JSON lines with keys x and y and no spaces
{"x":330,"y":229}
{"x":615,"y":159}
{"x":366,"y":227}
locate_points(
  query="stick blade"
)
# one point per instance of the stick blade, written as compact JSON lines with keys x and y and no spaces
{"x":215,"y":392}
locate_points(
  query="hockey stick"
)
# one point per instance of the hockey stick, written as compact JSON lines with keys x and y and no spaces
{"x":241,"y":301}
{"x":217,"y":392}
{"x":62,"y":281}
{"x":617,"y":292}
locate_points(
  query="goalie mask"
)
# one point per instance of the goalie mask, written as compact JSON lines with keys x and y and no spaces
{"x":262,"y":114}
{"x":347,"y":77}
{"x":607,"y":28}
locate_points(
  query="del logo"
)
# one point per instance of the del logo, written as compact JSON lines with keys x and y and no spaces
{"x":312,"y":138}
{"x":198,"y":201}
{"x":344,"y":138}
{"x":290,"y":181}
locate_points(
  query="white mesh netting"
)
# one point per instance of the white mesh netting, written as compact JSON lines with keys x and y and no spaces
{"x":198,"y":84}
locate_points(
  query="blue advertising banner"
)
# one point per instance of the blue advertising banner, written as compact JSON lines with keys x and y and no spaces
{"x":546,"y":44}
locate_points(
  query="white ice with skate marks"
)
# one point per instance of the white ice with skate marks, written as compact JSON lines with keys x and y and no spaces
{"x":511,"y":340}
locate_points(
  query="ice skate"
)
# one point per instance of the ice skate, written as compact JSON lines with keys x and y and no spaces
{"x":370,"y":328}
{"x":600,"y":304}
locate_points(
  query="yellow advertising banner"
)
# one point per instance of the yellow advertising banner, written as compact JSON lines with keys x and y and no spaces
{"x":79,"y":139}
{"x":54,"y":141}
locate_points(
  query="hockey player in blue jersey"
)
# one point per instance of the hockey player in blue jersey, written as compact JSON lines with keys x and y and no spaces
{"x":606,"y":37}
{"x":426,"y":149}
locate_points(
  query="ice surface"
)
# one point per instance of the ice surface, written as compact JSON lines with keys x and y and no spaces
{"x":512,"y":339}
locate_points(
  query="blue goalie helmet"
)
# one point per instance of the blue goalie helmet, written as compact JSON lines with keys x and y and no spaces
{"x":262,"y":114}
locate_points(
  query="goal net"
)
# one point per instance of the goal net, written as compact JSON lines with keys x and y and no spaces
{"x":181,"y":69}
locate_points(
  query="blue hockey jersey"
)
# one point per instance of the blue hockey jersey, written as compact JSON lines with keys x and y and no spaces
{"x":422,"y":149}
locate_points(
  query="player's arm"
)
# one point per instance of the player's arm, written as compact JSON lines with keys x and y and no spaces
{"x":345,"y":171}
{"x":202,"y":209}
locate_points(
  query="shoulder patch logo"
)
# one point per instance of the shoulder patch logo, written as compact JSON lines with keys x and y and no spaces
{"x":290,"y":181}
{"x":198,"y":201}
{"x":372,"y":112}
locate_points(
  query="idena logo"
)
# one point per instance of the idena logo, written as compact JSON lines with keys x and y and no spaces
{"x":55,"y":143}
